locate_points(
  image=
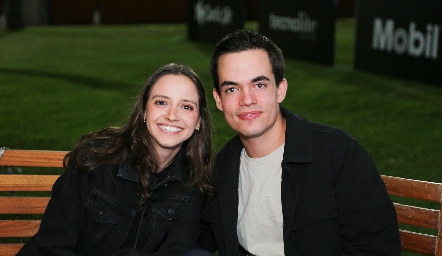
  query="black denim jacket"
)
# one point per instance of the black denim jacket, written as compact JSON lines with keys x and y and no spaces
{"x":92,"y":213}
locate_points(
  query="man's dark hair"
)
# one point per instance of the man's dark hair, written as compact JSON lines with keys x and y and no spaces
{"x":245,"y":40}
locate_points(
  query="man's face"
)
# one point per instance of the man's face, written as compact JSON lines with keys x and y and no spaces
{"x":248,"y":94}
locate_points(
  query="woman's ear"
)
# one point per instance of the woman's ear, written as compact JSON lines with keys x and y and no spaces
{"x":198,"y":124}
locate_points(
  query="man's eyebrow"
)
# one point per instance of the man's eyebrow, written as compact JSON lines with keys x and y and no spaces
{"x":254,"y":80}
{"x":228,"y":83}
{"x":259,"y":78}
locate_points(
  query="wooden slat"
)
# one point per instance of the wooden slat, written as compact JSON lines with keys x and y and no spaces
{"x":10,"y":249}
{"x":35,"y":158}
{"x":23,"y":205}
{"x":19,"y":228}
{"x":417,"y":216}
{"x":415,"y":242}
{"x":438,"y":251}
{"x":22,"y":182}
{"x":423,"y":190}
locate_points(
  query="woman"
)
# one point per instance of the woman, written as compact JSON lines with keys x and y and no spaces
{"x":136,"y":188}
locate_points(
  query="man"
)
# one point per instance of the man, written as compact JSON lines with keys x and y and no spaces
{"x":284,"y":185}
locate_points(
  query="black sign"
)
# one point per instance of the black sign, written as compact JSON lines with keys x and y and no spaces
{"x":211,"y":20}
{"x":303,"y":29}
{"x":400,"y":38}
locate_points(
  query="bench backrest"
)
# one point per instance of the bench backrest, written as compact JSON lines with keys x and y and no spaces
{"x":423,"y":217}
{"x":15,"y":209}
{"x":24,"y":196}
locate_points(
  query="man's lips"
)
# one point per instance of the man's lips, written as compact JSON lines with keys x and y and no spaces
{"x":249,"y":115}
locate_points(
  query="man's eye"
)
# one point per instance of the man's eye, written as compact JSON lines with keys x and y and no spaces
{"x":230,"y":89}
{"x":260,"y":85}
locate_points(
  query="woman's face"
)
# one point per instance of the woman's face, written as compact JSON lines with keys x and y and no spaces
{"x":172,"y":112}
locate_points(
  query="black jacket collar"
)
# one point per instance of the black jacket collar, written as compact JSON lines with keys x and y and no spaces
{"x":298,"y":139}
{"x":176,"y":172}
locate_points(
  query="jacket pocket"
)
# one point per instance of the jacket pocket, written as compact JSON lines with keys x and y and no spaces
{"x":169,"y":207}
{"x":102,"y":208}
{"x":320,"y":208}
{"x":102,"y":221}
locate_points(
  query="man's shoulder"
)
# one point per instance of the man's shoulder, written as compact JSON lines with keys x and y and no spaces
{"x":296,"y":122}
{"x":319,"y":129}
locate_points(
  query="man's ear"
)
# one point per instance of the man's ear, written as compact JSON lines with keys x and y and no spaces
{"x":219,"y":105}
{"x":282,"y":90}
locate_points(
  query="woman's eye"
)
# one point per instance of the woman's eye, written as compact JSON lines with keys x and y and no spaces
{"x":188,"y":107}
{"x":160,"y":102}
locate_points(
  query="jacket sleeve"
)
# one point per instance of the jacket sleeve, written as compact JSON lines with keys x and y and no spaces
{"x":368,"y":219}
{"x":62,"y":219}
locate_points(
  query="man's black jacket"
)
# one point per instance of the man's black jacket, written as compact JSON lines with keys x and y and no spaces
{"x":334,"y":201}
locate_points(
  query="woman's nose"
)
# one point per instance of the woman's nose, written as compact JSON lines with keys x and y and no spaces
{"x":171,"y":115}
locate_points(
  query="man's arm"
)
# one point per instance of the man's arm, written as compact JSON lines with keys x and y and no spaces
{"x":368,"y":219}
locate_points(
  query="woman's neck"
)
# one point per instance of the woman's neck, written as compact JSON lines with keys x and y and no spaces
{"x":165,"y":157}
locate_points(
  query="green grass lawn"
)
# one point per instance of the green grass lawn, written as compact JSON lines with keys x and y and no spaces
{"x":57,"y":83}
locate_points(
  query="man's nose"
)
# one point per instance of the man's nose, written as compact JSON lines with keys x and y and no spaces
{"x":247,"y":97}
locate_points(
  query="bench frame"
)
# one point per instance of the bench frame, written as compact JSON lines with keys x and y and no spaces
{"x":11,"y":204}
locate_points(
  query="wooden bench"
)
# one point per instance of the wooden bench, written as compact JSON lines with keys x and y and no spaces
{"x":418,"y":216}
{"x":15,"y":208}
{"x":22,"y":197}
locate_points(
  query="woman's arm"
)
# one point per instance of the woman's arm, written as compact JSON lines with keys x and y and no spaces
{"x":63,"y":216}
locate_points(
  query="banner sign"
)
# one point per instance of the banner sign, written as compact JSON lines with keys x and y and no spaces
{"x":400,"y":38}
{"x":211,"y":20}
{"x":303,"y":29}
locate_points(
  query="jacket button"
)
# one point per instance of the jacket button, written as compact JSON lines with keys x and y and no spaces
{"x":100,"y":213}
{"x":170,"y":211}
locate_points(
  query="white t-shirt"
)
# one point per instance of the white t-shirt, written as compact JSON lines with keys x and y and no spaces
{"x":260,"y":220}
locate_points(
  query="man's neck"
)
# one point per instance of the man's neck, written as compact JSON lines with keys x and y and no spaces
{"x":266,"y":143}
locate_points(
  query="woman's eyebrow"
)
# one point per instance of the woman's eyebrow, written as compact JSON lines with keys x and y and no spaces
{"x":160,"y":96}
{"x":167,"y":97}
{"x":190,"y":101}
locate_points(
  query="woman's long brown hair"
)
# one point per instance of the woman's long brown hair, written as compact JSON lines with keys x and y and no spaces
{"x":132,"y":140}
